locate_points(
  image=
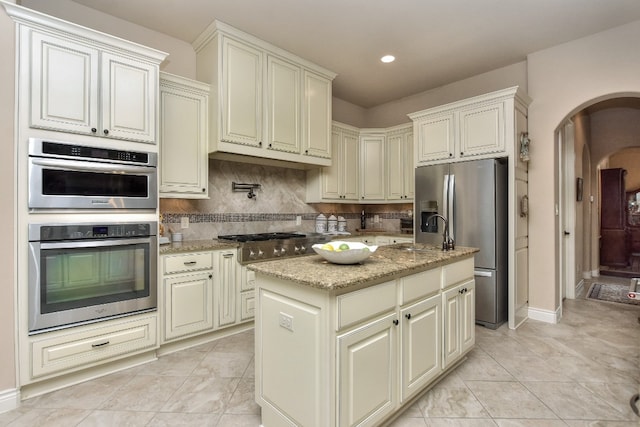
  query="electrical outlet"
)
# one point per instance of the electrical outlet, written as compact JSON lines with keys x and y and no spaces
{"x":376,"y":219}
{"x":286,"y":321}
{"x":298,"y":220}
{"x":184,"y":222}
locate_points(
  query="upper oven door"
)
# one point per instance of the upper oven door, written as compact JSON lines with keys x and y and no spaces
{"x":73,"y":184}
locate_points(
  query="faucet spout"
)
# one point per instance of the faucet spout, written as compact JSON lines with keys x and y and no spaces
{"x":447,"y":241}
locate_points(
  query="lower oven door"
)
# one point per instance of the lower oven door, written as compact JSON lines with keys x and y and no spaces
{"x":74,"y":282}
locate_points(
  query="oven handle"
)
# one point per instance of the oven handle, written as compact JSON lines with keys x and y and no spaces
{"x":70,"y":244}
{"x":89,"y":166}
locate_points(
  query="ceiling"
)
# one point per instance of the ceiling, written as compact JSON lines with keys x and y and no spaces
{"x":436,"y":42}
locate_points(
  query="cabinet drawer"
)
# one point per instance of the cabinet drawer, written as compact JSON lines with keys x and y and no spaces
{"x":187,"y":262}
{"x":457,"y":272}
{"x":247,"y":305}
{"x":420,"y":285}
{"x":365,"y":303}
{"x":77,"y":349}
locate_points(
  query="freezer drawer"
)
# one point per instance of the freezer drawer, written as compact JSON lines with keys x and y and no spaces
{"x":490,"y":304}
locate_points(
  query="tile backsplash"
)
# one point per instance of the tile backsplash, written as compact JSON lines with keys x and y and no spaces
{"x":279,"y":200}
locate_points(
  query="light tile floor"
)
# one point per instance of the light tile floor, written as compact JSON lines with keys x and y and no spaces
{"x":578,"y":373}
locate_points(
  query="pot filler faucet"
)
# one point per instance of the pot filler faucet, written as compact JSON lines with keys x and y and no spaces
{"x":447,"y":241}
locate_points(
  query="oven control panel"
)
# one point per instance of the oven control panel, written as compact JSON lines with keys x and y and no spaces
{"x":57,"y":232}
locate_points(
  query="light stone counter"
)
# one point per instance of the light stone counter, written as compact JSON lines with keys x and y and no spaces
{"x":195,"y":246}
{"x":386,"y":263}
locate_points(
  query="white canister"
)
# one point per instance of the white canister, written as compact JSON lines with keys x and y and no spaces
{"x":342,"y":224}
{"x":321,"y":224}
{"x":332,"y":224}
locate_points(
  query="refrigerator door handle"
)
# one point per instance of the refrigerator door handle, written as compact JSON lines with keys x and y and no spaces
{"x":445,"y":207}
{"x":482,"y":273}
{"x":450,"y":208}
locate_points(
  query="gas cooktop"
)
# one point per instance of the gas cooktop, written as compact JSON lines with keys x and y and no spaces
{"x":265,"y":246}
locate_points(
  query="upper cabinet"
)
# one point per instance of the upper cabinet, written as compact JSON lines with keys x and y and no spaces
{"x":372,"y":165}
{"x":82,"y":81}
{"x":399,"y":160}
{"x":473,"y":128}
{"x":183,"y":137}
{"x":268,"y":103}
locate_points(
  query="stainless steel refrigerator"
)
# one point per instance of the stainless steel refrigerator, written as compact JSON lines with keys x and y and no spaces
{"x":473,"y":197}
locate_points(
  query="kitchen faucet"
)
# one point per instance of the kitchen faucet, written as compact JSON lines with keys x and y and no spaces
{"x":447,"y":241}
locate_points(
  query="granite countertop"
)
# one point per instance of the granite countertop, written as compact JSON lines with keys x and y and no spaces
{"x":195,"y":245}
{"x":386,"y":263}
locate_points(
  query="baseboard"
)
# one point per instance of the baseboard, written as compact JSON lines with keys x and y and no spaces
{"x":587,"y":274}
{"x":579,"y":288}
{"x":595,"y":273}
{"x":544,"y":315}
{"x":9,"y":400}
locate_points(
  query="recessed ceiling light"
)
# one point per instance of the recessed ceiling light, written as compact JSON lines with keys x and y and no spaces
{"x":388,"y":58}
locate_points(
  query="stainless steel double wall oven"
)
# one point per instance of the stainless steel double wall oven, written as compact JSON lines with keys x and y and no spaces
{"x":84,"y":271}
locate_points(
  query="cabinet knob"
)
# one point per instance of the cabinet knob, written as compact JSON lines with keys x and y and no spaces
{"x":408,"y":316}
{"x":450,"y":154}
{"x":306,"y":151}
{"x":211,"y":276}
{"x":395,"y":322}
{"x":204,"y":190}
{"x":106,"y":131}
{"x":260,"y":143}
{"x":461,"y":153}
{"x":269,"y":145}
{"x":94,"y":130}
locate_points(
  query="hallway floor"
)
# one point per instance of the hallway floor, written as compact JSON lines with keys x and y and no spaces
{"x":580,"y":372}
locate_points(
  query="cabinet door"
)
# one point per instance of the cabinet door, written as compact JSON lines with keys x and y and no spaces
{"x":183,"y":142}
{"x":241,"y":93}
{"x":283,"y":111}
{"x":367,"y":373}
{"x":225,"y":288}
{"x":468,"y":316}
{"x":409,"y":167}
{"x":332,"y":175}
{"x":372,"y":166}
{"x":395,"y":166}
{"x":482,"y":130}
{"x":436,"y":136}
{"x":316,"y":115}
{"x":420,"y":334}
{"x":188,"y":304}
{"x":64,"y":84}
{"x":451,"y":326}
{"x":350,"y":166}
{"x":129,"y":93}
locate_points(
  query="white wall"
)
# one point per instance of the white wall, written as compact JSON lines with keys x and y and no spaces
{"x":563,"y":80}
{"x":7,"y":208}
{"x":181,"y":59}
{"x":395,"y":112}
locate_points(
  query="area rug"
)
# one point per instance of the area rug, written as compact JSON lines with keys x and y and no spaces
{"x":611,"y":292}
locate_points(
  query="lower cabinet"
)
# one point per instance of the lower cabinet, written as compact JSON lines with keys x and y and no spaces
{"x":459,"y":316}
{"x":225,"y":288}
{"x":364,"y":354}
{"x":367,"y":370}
{"x":85,"y":346}
{"x":188,"y":304}
{"x":247,"y":306}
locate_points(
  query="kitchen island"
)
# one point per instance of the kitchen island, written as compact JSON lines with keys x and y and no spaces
{"x":344,"y":345}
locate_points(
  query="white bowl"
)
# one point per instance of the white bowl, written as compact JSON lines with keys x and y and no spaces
{"x":356,"y":253}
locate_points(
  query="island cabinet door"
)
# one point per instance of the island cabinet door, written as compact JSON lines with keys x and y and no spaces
{"x":420,"y":339}
{"x":367,"y":370}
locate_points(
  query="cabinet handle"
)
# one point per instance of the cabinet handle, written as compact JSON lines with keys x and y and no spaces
{"x":211,"y":276}
{"x":190,"y":262}
{"x":395,"y":322}
{"x":106,"y":131}
{"x":269,"y":145}
{"x":204,"y":190}
{"x":102,"y":344}
{"x":260,"y":143}
{"x":408,"y":316}
{"x":94,"y":130}
{"x":460,"y":291}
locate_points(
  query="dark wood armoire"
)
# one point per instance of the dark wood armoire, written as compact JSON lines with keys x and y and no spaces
{"x":614,"y":241}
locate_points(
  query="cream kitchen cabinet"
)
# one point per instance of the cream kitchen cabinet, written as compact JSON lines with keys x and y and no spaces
{"x":381,"y":344}
{"x":458,"y":307}
{"x":400,"y":174}
{"x":225,"y":288}
{"x":187,"y":289}
{"x":247,"y":299}
{"x":269,"y":103}
{"x":89,"y":83}
{"x":82,"y":347}
{"x":183,"y":138}
{"x":477,"y":127}
{"x":372,"y":166}
{"x":338,"y":182}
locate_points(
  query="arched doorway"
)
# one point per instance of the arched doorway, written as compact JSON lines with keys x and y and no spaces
{"x":588,"y":141}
